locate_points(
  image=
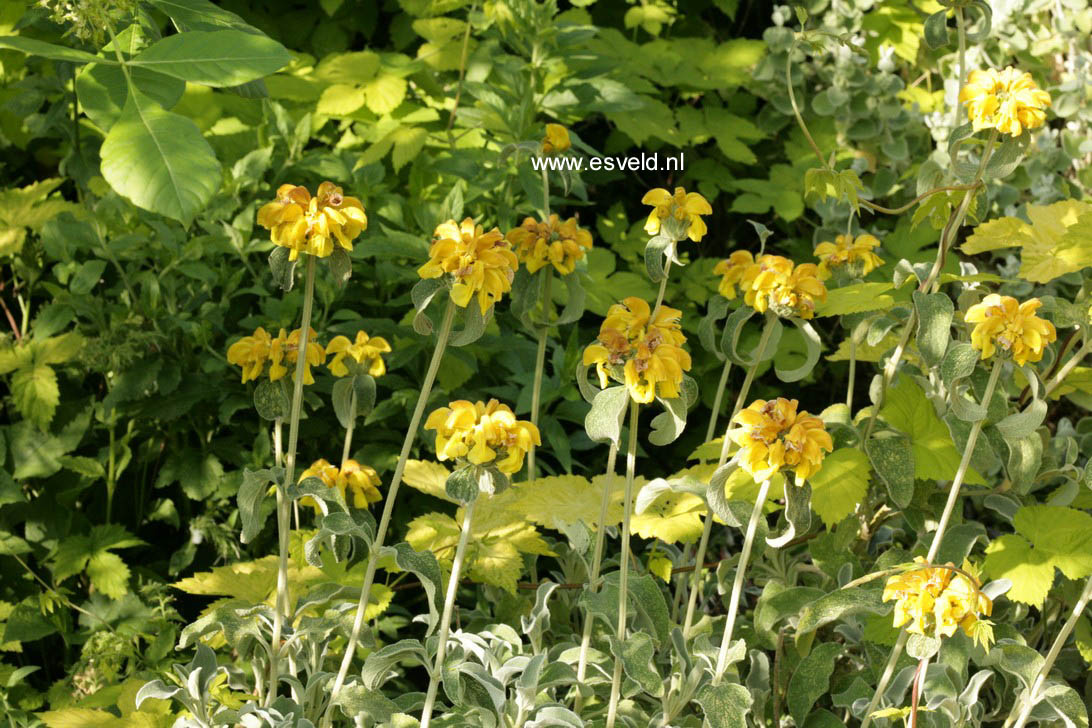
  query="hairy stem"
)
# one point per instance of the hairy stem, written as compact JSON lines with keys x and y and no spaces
{"x":445,"y":619}
{"x":737,"y":582}
{"x":284,"y":527}
{"x":623,"y":575}
{"x":540,"y":366}
{"x":388,"y":507}
{"x":349,"y":430}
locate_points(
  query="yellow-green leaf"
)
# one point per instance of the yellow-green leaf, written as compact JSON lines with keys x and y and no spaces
{"x":910,"y":411}
{"x":341,"y":99}
{"x":840,"y":484}
{"x":855,"y":299}
{"x":408,"y":143}
{"x":36,"y":393}
{"x":1004,"y":232}
{"x":385,"y":93}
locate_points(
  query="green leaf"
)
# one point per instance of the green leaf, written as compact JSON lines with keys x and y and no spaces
{"x":637,"y":654}
{"x":603,"y":423}
{"x":856,"y":298}
{"x":424,"y":566}
{"x":725,"y":705}
{"x":812,"y":349}
{"x":283,"y":269}
{"x":834,"y":606}
{"x":159,"y":160}
{"x":341,"y":396}
{"x":669,"y":424}
{"x":1047,"y":537}
{"x":385,"y":93}
{"x":893,"y":460}
{"x":252,"y":492}
{"x":49,"y":50}
{"x":36,"y":394}
{"x":910,"y":411}
{"x":936,"y":30}
{"x":103,"y":90}
{"x":214,"y":58}
{"x":271,"y":399}
{"x":811,"y":679}
{"x":108,"y":574}
{"x":839,"y":485}
{"x":462,"y":485}
{"x":958,"y":363}
{"x":935,"y":312}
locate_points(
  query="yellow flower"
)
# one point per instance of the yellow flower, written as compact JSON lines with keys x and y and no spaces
{"x":560,"y":244}
{"x":854,"y":253}
{"x":353,"y":479}
{"x":480,"y":263}
{"x":1008,"y":101}
{"x":367,"y":350}
{"x":284,"y":349}
{"x":251,"y":353}
{"x":306,"y":224}
{"x":557,"y":139}
{"x":683,"y":206}
{"x":482,"y":433}
{"x":1002,"y":321}
{"x":773,"y":434}
{"x":762,"y":278}
{"x":935,"y":601}
{"x":731,"y":271}
{"x":646,"y":355}
{"x":796,"y":295}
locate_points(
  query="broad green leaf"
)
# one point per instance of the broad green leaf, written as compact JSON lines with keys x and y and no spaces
{"x":603,"y":423}
{"x":384,"y":93}
{"x":108,"y":574}
{"x":1056,"y":242}
{"x":408,"y":143}
{"x":811,"y":679}
{"x":1002,"y":232}
{"x":725,"y":705}
{"x":834,"y":606}
{"x":856,"y":298}
{"x":839,"y":485}
{"x":893,"y":460}
{"x":340,"y":99}
{"x":49,"y":50}
{"x":36,"y":394}
{"x":910,"y":411}
{"x":159,"y":160}
{"x":637,"y":654}
{"x":348,"y":68}
{"x":1047,"y":537}
{"x":103,"y":90}
{"x":214,"y":58}
{"x":935,"y":312}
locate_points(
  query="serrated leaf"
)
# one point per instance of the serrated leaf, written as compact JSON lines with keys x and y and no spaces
{"x":108,"y":574}
{"x":385,"y":93}
{"x":36,"y":394}
{"x":910,"y":411}
{"x":340,"y":99}
{"x":1047,"y":537}
{"x":408,"y":143}
{"x":839,"y":485}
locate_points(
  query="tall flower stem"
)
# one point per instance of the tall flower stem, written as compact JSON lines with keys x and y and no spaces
{"x":623,"y":574}
{"x":593,"y":575}
{"x":280,"y":611}
{"x":540,"y":365}
{"x":445,"y":619}
{"x":698,"y":575}
{"x":938,"y":536}
{"x":388,"y":507}
{"x":852,"y":372}
{"x":1069,"y":366}
{"x":662,"y":291}
{"x":1078,"y":609}
{"x":349,"y":430}
{"x":737,"y":582}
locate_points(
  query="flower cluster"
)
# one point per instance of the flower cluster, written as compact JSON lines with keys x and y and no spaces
{"x":556,"y":140}
{"x":1008,"y":101}
{"x":685,"y":208}
{"x":773,"y":434}
{"x":253,"y":352}
{"x":352,"y":479}
{"x":771,"y":282}
{"x":365,"y":350}
{"x":935,"y":601}
{"x":483,"y":433}
{"x":645,"y":354}
{"x":481,"y":263}
{"x":554,"y":242}
{"x":1002,"y":321}
{"x":852,"y":254}
{"x":306,"y":224}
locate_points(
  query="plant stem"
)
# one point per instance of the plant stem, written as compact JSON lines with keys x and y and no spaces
{"x":278,"y":453}
{"x":280,"y":612}
{"x":942,"y":526}
{"x":593,"y":576}
{"x":737,"y":583}
{"x":662,"y":291}
{"x":388,"y":507}
{"x":540,"y":366}
{"x":349,"y":430}
{"x":623,"y":574}
{"x":1068,"y":367}
{"x":962,"y":31}
{"x":852,"y":372}
{"x":1055,"y":649}
{"x":445,"y":620}
{"x":698,"y":576}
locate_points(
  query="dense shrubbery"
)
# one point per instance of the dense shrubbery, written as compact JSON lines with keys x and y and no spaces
{"x":596,"y":384}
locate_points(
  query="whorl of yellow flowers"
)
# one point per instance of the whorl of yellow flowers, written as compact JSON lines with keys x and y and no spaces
{"x":1005,"y":323}
{"x":773,"y":434}
{"x":935,"y":601}
{"x":481,"y":263}
{"x":252,"y":352}
{"x":771,"y":282}
{"x":554,"y":242}
{"x":365,"y":350}
{"x":556,"y":140}
{"x":1008,"y":101}
{"x":853,"y":253}
{"x":306,"y":224}
{"x":483,"y":433}
{"x":682,"y":206}
{"x":646,"y":355}
{"x":361,"y":482}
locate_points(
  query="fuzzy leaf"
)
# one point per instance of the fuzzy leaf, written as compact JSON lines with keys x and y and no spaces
{"x":839,"y":485}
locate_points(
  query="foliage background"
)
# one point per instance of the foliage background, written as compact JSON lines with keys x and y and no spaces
{"x":125,"y":436}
